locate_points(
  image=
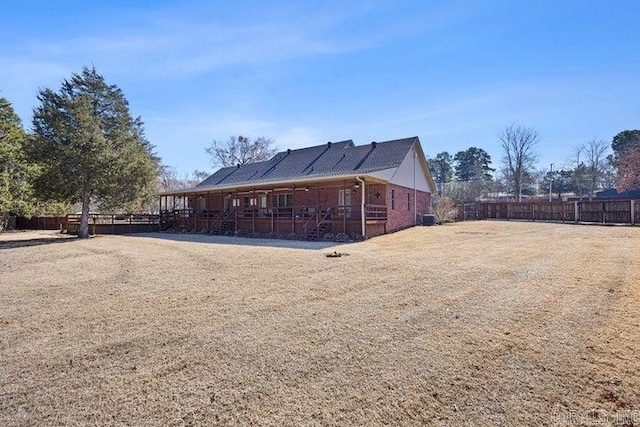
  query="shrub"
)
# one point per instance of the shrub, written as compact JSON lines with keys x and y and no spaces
{"x":445,"y":210}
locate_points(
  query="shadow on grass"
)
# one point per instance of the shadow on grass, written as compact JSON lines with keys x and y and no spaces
{"x":25,"y":243}
{"x":243,"y":241}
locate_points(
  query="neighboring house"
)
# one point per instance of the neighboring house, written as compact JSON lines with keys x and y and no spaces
{"x":311,"y":193}
{"x":612,"y":193}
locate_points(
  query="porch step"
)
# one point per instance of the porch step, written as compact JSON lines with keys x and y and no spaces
{"x":224,"y":227}
{"x":318,"y":231}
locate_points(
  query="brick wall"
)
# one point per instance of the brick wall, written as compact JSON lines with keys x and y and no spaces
{"x":401,"y":214}
{"x":325,"y":195}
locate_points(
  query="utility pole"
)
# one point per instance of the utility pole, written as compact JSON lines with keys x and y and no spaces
{"x":551,"y":182}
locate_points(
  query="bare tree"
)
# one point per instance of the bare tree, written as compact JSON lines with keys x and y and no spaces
{"x":168,"y":179}
{"x":518,"y":144}
{"x":596,"y":164}
{"x":240,"y":150}
{"x":192,"y":179}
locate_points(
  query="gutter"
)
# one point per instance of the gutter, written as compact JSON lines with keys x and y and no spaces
{"x":362,"y":207}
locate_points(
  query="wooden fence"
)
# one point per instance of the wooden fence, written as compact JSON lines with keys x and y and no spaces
{"x":584,"y":211}
{"x":41,"y":223}
{"x":98,"y":223}
{"x":115,"y":223}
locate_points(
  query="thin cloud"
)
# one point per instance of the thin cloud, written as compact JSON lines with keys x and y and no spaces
{"x":167,"y":46}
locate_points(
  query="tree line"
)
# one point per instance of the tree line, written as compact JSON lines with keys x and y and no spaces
{"x":595,"y":165}
{"x":86,"y":151}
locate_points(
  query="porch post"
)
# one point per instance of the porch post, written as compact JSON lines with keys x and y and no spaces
{"x":208,"y":214}
{"x":253,"y":211}
{"x":363,"y":209}
{"x":196,"y":212}
{"x":317,"y":202}
{"x":293,"y":208}
{"x":237,"y":197}
{"x":344,"y":207}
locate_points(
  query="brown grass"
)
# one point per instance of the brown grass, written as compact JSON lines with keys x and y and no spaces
{"x":487,"y":323}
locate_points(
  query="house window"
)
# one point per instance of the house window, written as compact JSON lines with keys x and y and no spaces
{"x":282,"y":200}
{"x":234,"y":202}
{"x":393,"y":198}
{"x":408,"y":201}
{"x":344,"y":198}
{"x":283,"y":204}
{"x":344,"y":202}
{"x":248,"y":205}
{"x":262,"y":205}
{"x":201,"y":203}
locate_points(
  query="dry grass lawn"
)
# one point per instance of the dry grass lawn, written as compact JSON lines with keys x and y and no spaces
{"x":486,"y":323}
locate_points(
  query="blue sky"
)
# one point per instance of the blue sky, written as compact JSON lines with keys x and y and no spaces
{"x":454,"y":73}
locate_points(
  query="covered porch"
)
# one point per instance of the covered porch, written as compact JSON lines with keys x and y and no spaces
{"x":329,"y":210}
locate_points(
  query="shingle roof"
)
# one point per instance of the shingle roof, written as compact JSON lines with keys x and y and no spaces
{"x":331,"y":159}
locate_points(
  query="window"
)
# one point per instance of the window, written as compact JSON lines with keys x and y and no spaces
{"x":283,"y":204}
{"x":248,"y":204}
{"x":262,"y":205}
{"x":282,"y":200}
{"x":344,"y":198}
{"x":344,"y":202}
{"x":393,"y":198}
{"x":201,"y":203}
{"x":201,"y":206}
{"x":231,"y":202}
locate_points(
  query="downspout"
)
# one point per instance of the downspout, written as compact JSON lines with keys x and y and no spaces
{"x":363,"y":218}
{"x":415,"y":192}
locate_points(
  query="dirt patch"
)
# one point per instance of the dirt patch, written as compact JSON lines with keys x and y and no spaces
{"x":486,"y":323}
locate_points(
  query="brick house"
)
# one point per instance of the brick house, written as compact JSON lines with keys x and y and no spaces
{"x":331,"y":191}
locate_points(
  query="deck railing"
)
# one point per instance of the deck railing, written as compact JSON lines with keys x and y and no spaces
{"x":373,"y":212}
{"x":114,"y":223}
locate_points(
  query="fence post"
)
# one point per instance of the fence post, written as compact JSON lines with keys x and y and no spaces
{"x":632,"y":205}
{"x":533,"y":212}
{"x":576,"y":213}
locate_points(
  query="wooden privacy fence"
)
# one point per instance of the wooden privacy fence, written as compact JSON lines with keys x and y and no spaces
{"x":41,"y":223}
{"x":584,"y":211}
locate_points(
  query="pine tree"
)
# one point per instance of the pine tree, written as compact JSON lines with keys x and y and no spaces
{"x":89,"y":148}
{"x":15,"y":171}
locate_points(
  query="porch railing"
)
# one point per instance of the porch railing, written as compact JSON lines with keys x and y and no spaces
{"x":376,"y":212}
{"x":372,"y":212}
